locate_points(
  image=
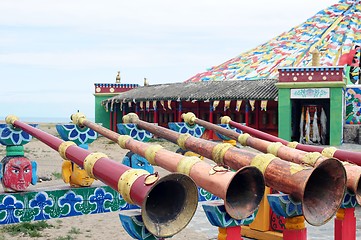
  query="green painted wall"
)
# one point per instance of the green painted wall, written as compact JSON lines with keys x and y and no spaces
{"x":284,"y":113}
{"x":336,"y":116}
{"x":101,"y":116}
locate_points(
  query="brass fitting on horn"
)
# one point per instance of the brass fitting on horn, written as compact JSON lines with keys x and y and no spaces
{"x":189,"y":118}
{"x":78,"y":118}
{"x":225,"y":119}
{"x":130,"y":118}
{"x":126,"y":181}
{"x":10,"y":119}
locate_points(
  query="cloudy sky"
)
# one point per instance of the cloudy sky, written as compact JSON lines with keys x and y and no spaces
{"x":52,"y":52}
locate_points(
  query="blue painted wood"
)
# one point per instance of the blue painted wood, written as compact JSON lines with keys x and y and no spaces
{"x":283,"y":205}
{"x":217,"y":215}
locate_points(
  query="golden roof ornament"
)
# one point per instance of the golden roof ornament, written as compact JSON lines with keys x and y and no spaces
{"x":117,"y":79}
{"x":146,"y":82}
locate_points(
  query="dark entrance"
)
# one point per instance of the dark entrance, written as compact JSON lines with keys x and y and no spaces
{"x":310,"y":121}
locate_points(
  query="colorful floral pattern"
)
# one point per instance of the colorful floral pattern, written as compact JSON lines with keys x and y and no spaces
{"x":332,"y":31}
{"x":353,"y":105}
{"x":182,"y":127}
{"x":11,"y":136}
{"x":283,"y":205}
{"x":30,"y":206}
{"x":79,"y":135}
{"x":349,"y":200}
{"x":133,"y":131}
{"x":217,"y":215}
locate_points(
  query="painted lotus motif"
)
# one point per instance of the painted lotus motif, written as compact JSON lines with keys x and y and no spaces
{"x":10,"y":136}
{"x":182,"y":127}
{"x":133,"y":131}
{"x":283,"y":205}
{"x":76,"y":134}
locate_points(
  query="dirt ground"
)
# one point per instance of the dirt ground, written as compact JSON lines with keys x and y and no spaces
{"x":91,"y":227}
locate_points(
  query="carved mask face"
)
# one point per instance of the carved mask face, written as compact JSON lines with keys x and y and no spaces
{"x":79,"y":177}
{"x":17,"y":173}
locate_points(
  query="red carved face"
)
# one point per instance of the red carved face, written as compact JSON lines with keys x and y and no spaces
{"x":17,"y":174}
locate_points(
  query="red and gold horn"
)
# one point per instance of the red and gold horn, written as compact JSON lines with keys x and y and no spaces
{"x":353,"y":172}
{"x":343,"y":155}
{"x":168,"y":204}
{"x":320,"y":189}
{"x":242,"y":191}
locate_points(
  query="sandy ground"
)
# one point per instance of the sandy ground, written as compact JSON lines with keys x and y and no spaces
{"x":96,"y":226}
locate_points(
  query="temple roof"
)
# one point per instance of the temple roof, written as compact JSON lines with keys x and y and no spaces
{"x":201,"y":91}
{"x":332,"y":31}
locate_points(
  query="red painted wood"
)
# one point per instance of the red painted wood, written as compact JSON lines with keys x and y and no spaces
{"x":343,"y":155}
{"x":346,"y":229}
{"x":234,"y":233}
{"x":105,"y":169}
{"x":299,"y":234}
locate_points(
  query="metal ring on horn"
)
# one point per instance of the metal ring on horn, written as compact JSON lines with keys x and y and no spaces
{"x":219,"y":151}
{"x":181,"y":141}
{"x":150,"y":153}
{"x":63,"y":147}
{"x":126,"y":181}
{"x":90,"y":161}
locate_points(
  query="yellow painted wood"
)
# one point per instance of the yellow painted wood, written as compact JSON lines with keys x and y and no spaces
{"x":261,"y":235}
{"x":262,"y":220}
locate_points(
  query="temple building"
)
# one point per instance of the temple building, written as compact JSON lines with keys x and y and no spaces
{"x":303,"y":85}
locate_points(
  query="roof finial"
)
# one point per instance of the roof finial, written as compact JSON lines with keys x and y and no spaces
{"x":117,"y":79}
{"x":146,"y":82}
{"x":315,"y":57}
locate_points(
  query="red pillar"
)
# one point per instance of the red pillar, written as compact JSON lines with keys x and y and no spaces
{"x":345,"y":224}
{"x":179,"y":113}
{"x":111,"y":120}
{"x":247,"y":114}
{"x":210,"y":119}
{"x":256,"y":108}
{"x":115,"y":121}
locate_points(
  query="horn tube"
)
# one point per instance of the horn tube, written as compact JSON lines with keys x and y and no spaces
{"x":353,"y":172}
{"x":343,"y":155}
{"x":320,"y":189}
{"x":167,"y":204}
{"x":242,"y":191}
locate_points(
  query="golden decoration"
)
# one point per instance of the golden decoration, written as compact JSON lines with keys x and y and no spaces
{"x":329,"y":151}
{"x":295,"y":168}
{"x":130,"y":118}
{"x":10,"y":119}
{"x":62,"y":148}
{"x":292,"y":144}
{"x":225,"y":119}
{"x":186,"y":163}
{"x":122,"y":139}
{"x":261,"y":161}
{"x":126,"y":181}
{"x":273,"y":148}
{"x":90,"y":161}
{"x":242,"y":138}
{"x":311,"y":158}
{"x":219,"y":151}
{"x":181,"y":141}
{"x":150,"y":153}
{"x":189,"y":118}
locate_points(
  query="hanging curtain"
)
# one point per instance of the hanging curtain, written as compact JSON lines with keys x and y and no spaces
{"x":251,"y":102}
{"x":162,"y":103}
{"x":227,"y":103}
{"x":170,"y":104}
{"x":147,"y":105}
{"x":238,"y":105}
{"x":323,"y":120}
{"x":301,"y":124}
{"x":215,"y":104}
{"x":315,"y":131}
{"x":264,"y":105}
{"x":308,"y":126}
{"x":141,"y":105}
{"x":155,"y":105}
